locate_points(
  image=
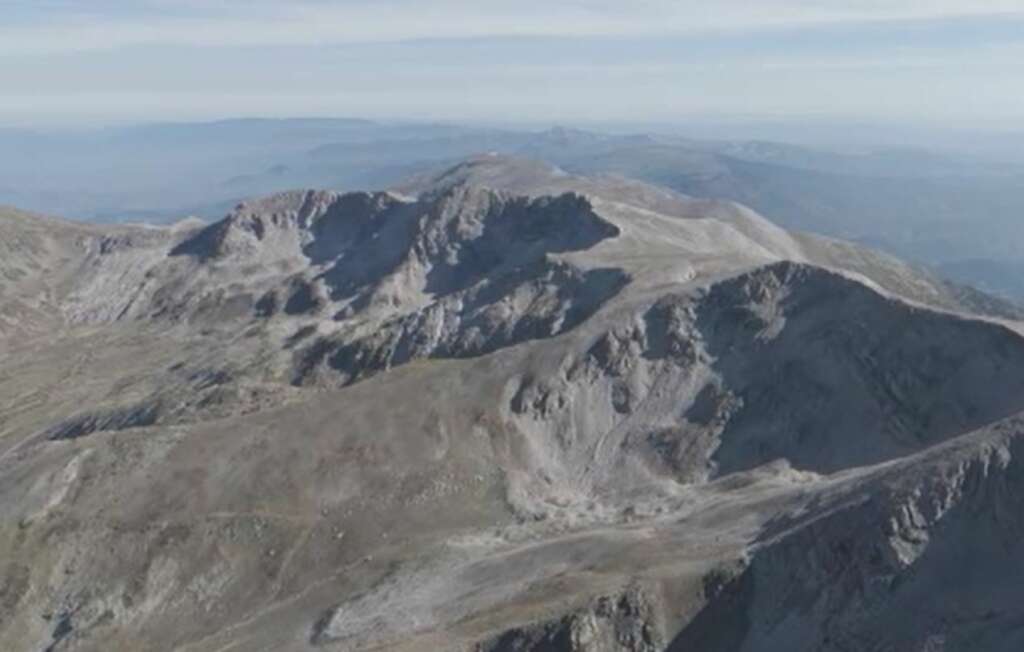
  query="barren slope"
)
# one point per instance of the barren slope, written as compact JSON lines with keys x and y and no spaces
{"x":604,"y":417}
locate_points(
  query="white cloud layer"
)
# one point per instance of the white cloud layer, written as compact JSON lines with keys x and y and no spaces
{"x":938,"y":61}
{"x":53,"y":27}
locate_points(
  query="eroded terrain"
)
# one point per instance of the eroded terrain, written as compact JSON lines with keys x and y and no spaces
{"x":501,"y":408}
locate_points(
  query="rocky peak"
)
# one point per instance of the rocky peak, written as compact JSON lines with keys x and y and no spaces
{"x":287,"y":219}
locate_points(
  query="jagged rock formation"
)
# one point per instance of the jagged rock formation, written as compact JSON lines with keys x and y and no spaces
{"x":502,"y":409}
{"x":919,"y":558}
{"x":621,"y":622}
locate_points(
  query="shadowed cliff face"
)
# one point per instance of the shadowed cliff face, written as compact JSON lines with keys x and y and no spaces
{"x":444,"y":243}
{"x":786,"y":362}
{"x":830,"y":375}
{"x":374,"y":280}
{"x":923,"y":564}
{"x":476,"y":275}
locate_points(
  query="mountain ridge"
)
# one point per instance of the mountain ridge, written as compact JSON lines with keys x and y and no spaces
{"x":502,"y":408}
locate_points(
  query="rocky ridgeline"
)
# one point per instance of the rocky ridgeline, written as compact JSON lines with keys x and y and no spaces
{"x":366,"y":280}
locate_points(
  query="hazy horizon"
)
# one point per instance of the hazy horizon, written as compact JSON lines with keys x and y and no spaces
{"x":905,"y":63}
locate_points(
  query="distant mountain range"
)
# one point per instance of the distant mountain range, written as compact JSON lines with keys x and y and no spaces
{"x":959,"y":213}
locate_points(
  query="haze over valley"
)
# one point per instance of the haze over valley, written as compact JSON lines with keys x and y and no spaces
{"x":952,"y":210}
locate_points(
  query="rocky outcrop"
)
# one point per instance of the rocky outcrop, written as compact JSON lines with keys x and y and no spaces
{"x":917,"y":557}
{"x":536,"y":302}
{"x":785,"y":362}
{"x":618,"y":623}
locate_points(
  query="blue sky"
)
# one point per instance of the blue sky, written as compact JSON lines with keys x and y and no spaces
{"x":936,"y":62}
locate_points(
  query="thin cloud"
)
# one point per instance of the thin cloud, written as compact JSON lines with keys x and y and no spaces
{"x":70,"y":27}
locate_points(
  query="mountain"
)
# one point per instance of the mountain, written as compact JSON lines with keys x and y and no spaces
{"x":954,"y":210}
{"x":162,"y":172}
{"x":921,"y":206}
{"x":500,"y":407}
